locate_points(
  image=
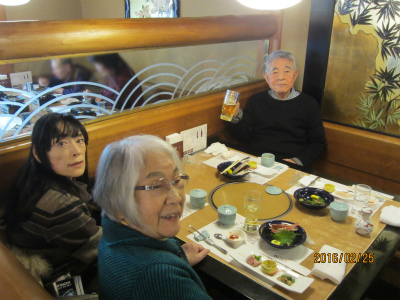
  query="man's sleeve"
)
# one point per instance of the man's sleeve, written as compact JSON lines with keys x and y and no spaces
{"x":242,"y":129}
{"x":315,"y":137}
{"x":164,"y":281}
{"x":82,"y":76}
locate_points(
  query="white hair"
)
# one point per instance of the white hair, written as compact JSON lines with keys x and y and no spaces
{"x":279,"y":54}
{"x":118,"y":173}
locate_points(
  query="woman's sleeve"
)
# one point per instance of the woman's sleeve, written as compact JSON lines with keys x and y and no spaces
{"x":70,"y":226}
{"x":164,"y":281}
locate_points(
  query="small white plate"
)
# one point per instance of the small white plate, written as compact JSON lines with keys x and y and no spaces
{"x":341,"y":197}
{"x":301,"y":282}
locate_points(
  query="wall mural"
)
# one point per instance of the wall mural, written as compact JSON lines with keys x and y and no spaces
{"x":363,"y":79}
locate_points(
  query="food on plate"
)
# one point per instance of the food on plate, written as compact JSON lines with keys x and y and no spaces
{"x":254,"y":260}
{"x":275,"y":228}
{"x":286,"y":279}
{"x":275,"y":242}
{"x":313,"y":200}
{"x":235,"y":237}
{"x":330,"y":188}
{"x":269,"y":267}
{"x":284,"y":237}
{"x":229,"y":171}
{"x":344,"y":194}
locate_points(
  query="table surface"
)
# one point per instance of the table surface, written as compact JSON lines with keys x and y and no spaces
{"x":318,"y":225}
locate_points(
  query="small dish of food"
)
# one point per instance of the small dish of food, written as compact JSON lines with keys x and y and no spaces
{"x":282,"y":234}
{"x":254,"y":260}
{"x":235,"y":237}
{"x":269,"y":267}
{"x":235,"y":172}
{"x":344,"y":195}
{"x":313,"y":198}
{"x":286,"y":279}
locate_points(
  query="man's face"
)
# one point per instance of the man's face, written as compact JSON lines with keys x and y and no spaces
{"x":281,"y":76}
{"x":60,"y":70}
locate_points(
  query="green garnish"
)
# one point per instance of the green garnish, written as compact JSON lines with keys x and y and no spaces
{"x":285,"y":237}
{"x":257,"y":257}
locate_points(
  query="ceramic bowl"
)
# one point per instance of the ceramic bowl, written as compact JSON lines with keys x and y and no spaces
{"x":305,"y":193}
{"x":222,"y":166}
{"x":339,"y":211}
{"x":198,"y":198}
{"x":266,"y":234}
{"x":227,"y":214}
{"x":241,"y":237}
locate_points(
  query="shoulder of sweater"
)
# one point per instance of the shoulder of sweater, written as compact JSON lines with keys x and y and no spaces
{"x":306,"y":98}
{"x":259,"y":96}
{"x":54,"y":200}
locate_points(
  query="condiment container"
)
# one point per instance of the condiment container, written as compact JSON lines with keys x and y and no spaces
{"x":227,"y":214}
{"x":364,"y":225}
{"x":198,"y":198}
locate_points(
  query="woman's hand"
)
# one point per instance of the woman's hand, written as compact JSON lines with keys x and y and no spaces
{"x":194,"y":252}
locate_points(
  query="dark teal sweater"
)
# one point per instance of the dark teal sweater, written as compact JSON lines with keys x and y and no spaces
{"x":134,"y":266}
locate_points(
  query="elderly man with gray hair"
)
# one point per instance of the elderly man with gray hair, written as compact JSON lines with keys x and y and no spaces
{"x":281,"y":121}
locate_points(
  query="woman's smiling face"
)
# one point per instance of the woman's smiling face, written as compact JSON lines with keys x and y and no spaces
{"x":160,"y":212}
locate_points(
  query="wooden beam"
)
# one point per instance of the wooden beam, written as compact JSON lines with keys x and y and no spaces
{"x":29,"y":40}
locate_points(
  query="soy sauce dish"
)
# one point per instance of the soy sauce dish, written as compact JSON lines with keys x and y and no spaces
{"x":313,"y":198}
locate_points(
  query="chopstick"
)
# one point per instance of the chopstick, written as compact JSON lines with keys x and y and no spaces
{"x":235,"y":163}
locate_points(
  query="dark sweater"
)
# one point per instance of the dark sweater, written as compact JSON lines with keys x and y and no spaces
{"x":80,"y":74}
{"x":286,"y":128}
{"x":135,"y":266}
{"x":61,"y":230}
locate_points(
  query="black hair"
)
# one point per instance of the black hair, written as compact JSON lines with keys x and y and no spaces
{"x":112,"y":61}
{"x":36,"y":176}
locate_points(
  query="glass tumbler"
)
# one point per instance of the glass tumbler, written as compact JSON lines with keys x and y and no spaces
{"x":252,"y":207}
{"x":228,"y":108}
{"x":362,"y":193}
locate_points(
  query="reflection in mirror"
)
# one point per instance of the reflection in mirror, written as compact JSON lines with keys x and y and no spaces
{"x":101,"y":85}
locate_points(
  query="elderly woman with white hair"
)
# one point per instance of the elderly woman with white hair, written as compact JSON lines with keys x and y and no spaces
{"x":141,"y":190}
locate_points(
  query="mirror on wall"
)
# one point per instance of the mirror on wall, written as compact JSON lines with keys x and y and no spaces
{"x":102,"y":85}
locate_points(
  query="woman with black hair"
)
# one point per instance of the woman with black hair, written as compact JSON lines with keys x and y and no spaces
{"x":48,"y":212}
{"x":116,"y":74}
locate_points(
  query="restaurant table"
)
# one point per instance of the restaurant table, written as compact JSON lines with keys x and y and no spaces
{"x":383,"y":241}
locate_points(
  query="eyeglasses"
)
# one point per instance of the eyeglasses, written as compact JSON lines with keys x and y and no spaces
{"x":162,"y":185}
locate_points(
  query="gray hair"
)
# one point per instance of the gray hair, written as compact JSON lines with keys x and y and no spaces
{"x":279,"y":54}
{"x":118,"y":173}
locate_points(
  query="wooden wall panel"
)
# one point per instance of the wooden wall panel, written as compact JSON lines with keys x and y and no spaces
{"x":362,"y":156}
{"x":29,"y":40}
{"x":159,"y":120}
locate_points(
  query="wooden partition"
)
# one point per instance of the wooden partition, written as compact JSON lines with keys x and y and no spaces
{"x":362,"y":156}
{"x":160,"y":120}
{"x":20,"y":41}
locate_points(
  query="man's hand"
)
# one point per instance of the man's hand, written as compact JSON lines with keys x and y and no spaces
{"x":58,"y":91}
{"x":290,"y":160}
{"x":43,"y":81}
{"x":194,"y":252}
{"x":237,"y":108}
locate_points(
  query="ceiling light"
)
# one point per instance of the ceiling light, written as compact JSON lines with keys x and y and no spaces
{"x":268,"y":4}
{"x":13,"y":2}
